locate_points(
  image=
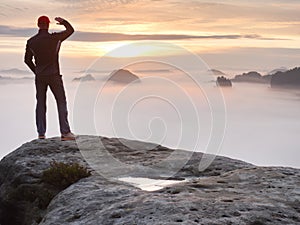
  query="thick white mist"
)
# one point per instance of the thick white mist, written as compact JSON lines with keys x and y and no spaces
{"x":263,"y":124}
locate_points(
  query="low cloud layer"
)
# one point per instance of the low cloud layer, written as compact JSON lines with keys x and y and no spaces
{"x":16,"y":31}
{"x":104,"y":37}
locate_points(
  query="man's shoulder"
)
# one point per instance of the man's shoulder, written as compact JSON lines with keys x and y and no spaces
{"x":32,"y":38}
{"x":39,"y":36}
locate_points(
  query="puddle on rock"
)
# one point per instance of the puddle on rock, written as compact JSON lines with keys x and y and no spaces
{"x":148,"y":184}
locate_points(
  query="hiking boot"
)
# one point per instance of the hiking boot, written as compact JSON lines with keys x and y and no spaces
{"x":68,"y":137}
{"x":41,"y":137}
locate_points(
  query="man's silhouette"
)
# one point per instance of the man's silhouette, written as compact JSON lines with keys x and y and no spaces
{"x":44,"y":48}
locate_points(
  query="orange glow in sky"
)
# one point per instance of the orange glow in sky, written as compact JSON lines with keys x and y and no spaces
{"x":203,"y":27}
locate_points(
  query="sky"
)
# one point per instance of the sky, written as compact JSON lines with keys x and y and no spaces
{"x":231,"y":35}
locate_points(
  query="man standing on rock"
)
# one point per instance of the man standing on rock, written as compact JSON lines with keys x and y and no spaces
{"x":44,"y":48}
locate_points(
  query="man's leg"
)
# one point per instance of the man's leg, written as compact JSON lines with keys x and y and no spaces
{"x":40,"y":112}
{"x":57,"y":88}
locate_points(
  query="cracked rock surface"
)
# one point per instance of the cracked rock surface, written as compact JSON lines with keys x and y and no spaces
{"x":228,"y":192}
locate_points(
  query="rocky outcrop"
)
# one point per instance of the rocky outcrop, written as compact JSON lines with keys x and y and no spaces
{"x":87,"y":77}
{"x":223,"y":82}
{"x":290,"y":78}
{"x":123,"y":76}
{"x":227,"y":192}
{"x":252,"y":77}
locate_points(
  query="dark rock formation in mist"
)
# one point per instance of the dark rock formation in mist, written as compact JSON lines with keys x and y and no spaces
{"x":87,"y":77}
{"x":123,"y":76}
{"x":223,"y":82}
{"x":227,"y":192}
{"x":252,"y":77}
{"x":288,"y":79}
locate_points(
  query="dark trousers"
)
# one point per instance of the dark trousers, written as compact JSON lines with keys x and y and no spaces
{"x":56,"y":86}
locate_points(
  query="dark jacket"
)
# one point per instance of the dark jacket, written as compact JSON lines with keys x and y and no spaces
{"x":44,"y":47}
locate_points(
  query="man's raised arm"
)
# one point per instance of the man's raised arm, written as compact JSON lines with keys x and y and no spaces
{"x":66,"y":33}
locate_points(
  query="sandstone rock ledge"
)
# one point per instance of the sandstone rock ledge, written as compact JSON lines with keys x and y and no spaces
{"x":228,"y":192}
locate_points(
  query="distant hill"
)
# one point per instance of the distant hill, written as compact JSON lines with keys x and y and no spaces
{"x":15,"y":71}
{"x":290,"y":78}
{"x":87,"y":77}
{"x":281,"y":69}
{"x":252,"y":77}
{"x":8,"y":78}
{"x":5,"y":78}
{"x":123,"y":76}
{"x":217,"y":72}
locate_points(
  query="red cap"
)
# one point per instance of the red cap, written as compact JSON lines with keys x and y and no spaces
{"x":43,"y":19}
